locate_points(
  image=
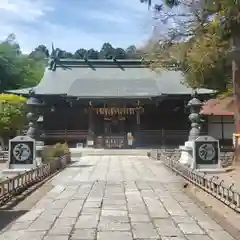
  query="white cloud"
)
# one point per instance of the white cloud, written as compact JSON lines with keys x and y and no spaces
{"x":66,"y":38}
{"x":17,"y":14}
{"x":110,"y":17}
{"x":125,"y":22}
{"x":23,"y":10}
{"x":133,"y":6}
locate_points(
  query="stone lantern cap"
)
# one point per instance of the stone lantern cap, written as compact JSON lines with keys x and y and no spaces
{"x":40,"y":119}
{"x":194,"y":103}
{"x":34,"y":102}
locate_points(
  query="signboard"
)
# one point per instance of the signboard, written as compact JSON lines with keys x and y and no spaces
{"x":114,"y":141}
{"x":110,"y":111}
{"x":90,"y":142}
{"x":206,"y":151}
{"x":130,"y":138}
{"x":79,"y":145}
{"x":22,"y":152}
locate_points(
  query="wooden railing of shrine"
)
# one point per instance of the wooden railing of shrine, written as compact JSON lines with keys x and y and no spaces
{"x":165,"y":133}
{"x":76,"y":134}
{"x":65,"y":134}
{"x":142,"y":137}
{"x":161,"y":137}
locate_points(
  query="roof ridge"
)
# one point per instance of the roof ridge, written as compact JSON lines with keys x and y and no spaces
{"x":92,"y":63}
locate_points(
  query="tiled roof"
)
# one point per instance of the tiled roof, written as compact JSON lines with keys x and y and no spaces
{"x":109,"y":79}
{"x":218,"y":107}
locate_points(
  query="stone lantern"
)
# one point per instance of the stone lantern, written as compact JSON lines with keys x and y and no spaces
{"x":195,"y":106}
{"x":40,"y":121}
{"x":187,"y":150}
{"x":34,"y":105}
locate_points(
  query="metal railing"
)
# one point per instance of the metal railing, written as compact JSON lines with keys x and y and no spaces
{"x":227,"y":194}
{"x":12,"y":187}
{"x":3,"y":156}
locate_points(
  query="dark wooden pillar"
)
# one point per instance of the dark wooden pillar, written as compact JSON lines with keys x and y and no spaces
{"x":90,"y":137}
{"x":138,"y":120}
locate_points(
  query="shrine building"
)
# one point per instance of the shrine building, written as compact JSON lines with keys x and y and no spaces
{"x":101,"y":102}
{"x":219,"y":119}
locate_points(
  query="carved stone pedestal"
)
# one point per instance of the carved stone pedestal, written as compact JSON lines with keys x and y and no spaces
{"x":186,"y":153}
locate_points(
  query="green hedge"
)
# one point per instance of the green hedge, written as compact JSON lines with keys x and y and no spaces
{"x":50,"y":153}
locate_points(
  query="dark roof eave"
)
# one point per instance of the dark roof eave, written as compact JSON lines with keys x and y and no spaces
{"x":114,"y":97}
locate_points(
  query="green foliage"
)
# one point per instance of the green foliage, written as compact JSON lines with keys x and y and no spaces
{"x":50,"y":153}
{"x":12,"y":118}
{"x":60,"y":149}
{"x":12,"y":98}
{"x":206,"y":58}
{"x":107,"y":51}
{"x":19,"y":70}
{"x":204,"y":55}
{"x":16,"y":69}
{"x":12,"y":114}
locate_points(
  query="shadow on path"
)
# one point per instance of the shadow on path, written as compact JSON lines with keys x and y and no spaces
{"x":8,"y":216}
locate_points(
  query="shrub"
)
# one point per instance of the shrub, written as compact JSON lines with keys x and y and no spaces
{"x":50,"y":153}
{"x":12,"y":116}
{"x":12,"y":98}
{"x":60,"y":149}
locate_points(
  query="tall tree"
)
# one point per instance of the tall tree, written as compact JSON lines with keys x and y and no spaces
{"x":131,"y":51}
{"x":17,"y":70}
{"x":40,"y":52}
{"x":92,"y":54}
{"x":67,"y":54}
{"x":119,"y":53}
{"x":196,"y":46}
{"x":107,"y":51}
{"x":80,"y":53}
{"x":225,"y":16}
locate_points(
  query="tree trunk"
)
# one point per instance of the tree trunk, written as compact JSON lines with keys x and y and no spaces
{"x":236,"y":86}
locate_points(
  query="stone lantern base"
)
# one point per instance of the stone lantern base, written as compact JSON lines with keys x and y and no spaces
{"x":190,"y":158}
{"x":186,"y":153}
{"x":90,"y":141}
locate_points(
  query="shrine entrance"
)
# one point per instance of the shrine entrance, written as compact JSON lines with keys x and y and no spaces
{"x":115,"y":131}
{"x":117,"y":123}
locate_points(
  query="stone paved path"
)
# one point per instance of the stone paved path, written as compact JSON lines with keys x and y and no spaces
{"x":117,"y":198}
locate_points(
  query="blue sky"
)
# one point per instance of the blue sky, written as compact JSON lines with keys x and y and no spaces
{"x":72,"y":24}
